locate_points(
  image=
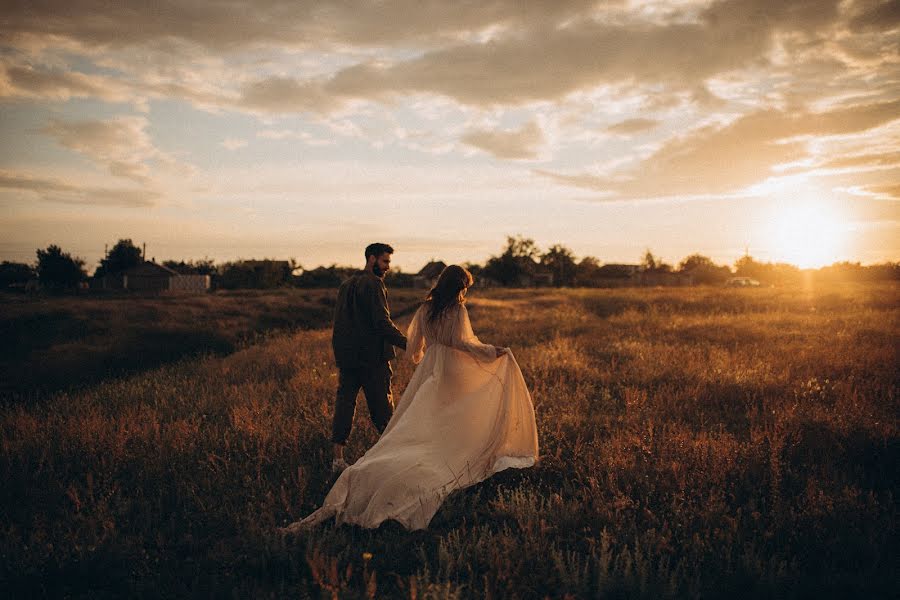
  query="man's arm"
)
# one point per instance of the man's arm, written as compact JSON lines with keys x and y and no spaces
{"x":381,"y":316}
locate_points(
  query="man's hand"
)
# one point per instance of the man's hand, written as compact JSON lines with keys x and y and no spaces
{"x":501,"y":351}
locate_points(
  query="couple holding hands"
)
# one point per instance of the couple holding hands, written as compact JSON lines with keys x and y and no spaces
{"x":465,"y":414}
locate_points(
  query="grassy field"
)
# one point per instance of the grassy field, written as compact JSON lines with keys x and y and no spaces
{"x":59,"y":343}
{"x":694,"y":443}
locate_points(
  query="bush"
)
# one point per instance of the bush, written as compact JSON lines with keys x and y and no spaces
{"x":256,"y":274}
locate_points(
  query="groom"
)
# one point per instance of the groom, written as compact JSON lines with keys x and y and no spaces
{"x":363,"y":341}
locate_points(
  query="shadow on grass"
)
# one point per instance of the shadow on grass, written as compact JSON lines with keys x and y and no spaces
{"x":86,"y":361}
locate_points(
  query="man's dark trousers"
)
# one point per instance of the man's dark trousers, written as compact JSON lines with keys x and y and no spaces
{"x":375,"y":381}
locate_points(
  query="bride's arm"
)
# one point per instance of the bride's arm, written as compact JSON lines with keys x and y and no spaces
{"x":415,"y":338}
{"x":465,"y":339}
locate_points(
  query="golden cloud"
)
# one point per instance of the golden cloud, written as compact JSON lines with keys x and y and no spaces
{"x":121,"y":145}
{"x":632,"y":126}
{"x":55,"y":190}
{"x":725,"y":159}
{"x":522,"y":143}
{"x":27,"y":82}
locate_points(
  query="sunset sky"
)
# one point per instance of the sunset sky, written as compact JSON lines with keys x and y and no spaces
{"x":307,"y":129}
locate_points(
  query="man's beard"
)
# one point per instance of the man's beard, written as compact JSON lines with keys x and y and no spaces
{"x":377,"y":270}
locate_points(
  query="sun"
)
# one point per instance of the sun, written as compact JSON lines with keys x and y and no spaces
{"x":806,"y":231}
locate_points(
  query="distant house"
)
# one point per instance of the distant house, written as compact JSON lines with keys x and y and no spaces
{"x":149,"y":276}
{"x":428,"y":275}
{"x":539,"y":278}
{"x":107,"y":282}
{"x":189,"y":283}
{"x":613,"y":275}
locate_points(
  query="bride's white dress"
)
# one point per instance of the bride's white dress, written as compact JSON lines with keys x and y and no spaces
{"x":464,"y":416}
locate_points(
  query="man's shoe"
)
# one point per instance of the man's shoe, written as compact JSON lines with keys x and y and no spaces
{"x":338,"y":465}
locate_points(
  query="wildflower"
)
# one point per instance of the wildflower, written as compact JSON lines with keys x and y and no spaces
{"x":367,"y":556}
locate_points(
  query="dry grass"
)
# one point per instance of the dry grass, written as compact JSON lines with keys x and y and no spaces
{"x":695,"y":443}
{"x":60,"y":343}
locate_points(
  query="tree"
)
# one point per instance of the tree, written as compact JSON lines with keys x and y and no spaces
{"x":396,"y":278}
{"x":561,"y":262}
{"x":256,"y":274}
{"x":696,"y":261}
{"x":654,"y":264}
{"x":12,"y":273}
{"x":587,"y":271}
{"x":58,"y":270}
{"x":703,"y":269}
{"x":848,"y":271}
{"x":320,"y":277}
{"x":122,"y":257}
{"x":515,"y":263}
{"x":522,"y":247}
{"x":745,"y":266}
{"x":773,"y":273}
{"x":474,"y":268}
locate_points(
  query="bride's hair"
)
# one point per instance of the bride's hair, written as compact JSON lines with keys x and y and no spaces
{"x":448,"y":291}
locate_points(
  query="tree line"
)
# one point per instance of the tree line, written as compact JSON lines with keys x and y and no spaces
{"x":521,"y":263}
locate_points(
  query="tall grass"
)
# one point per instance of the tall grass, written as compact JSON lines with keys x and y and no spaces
{"x":695,"y":443}
{"x":60,"y":343}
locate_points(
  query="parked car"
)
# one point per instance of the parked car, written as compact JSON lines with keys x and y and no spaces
{"x":742,"y":282}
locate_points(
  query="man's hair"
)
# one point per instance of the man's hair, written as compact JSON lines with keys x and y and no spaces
{"x":377,"y":249}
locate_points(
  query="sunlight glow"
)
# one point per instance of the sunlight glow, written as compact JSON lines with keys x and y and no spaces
{"x":807,"y":230}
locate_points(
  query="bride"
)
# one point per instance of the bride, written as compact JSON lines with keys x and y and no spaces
{"x":465,"y":415}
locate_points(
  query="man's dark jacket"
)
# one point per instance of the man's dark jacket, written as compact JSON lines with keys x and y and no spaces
{"x":363,"y":334}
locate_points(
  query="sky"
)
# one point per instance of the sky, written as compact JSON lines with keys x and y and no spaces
{"x":306,"y":130}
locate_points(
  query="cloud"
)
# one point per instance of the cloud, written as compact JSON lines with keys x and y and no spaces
{"x":233,"y":143}
{"x":548,"y":62}
{"x":722,"y":159}
{"x":121,"y":145}
{"x":534,"y":66}
{"x":585,"y":181}
{"x":338,"y":23}
{"x":864,"y":161}
{"x":484,"y":54}
{"x":739,"y":16}
{"x":55,"y":190}
{"x":891,"y":190}
{"x":632,"y":126}
{"x":881,"y":15}
{"x":289,"y":134}
{"x":25,"y":81}
{"x":286,"y":95}
{"x":278,"y":134}
{"x":222,"y":27}
{"x":93,"y":24}
{"x":522,"y":143}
